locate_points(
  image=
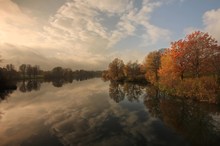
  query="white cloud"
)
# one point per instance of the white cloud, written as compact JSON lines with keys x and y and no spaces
{"x":15,"y":26}
{"x":152,"y":33}
{"x":110,"y":6}
{"x":211,"y":20}
{"x":76,"y":32}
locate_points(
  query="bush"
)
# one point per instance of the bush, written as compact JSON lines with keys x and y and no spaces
{"x":200,"y":89}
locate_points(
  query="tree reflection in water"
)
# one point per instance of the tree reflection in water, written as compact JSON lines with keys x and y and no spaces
{"x":118,"y":91}
{"x":30,"y":86}
{"x":5,"y":93}
{"x":192,"y":120}
{"x":58,"y":83}
{"x":132,"y":91}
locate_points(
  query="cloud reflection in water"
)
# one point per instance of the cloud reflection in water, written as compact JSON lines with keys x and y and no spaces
{"x":82,"y":113}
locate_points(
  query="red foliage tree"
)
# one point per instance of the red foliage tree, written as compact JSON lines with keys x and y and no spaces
{"x":194,"y":55}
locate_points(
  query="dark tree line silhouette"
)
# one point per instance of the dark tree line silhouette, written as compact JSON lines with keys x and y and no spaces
{"x":8,"y":75}
{"x":58,"y":75}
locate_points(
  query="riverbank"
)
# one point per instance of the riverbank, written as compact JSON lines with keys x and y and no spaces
{"x":203,"y":89}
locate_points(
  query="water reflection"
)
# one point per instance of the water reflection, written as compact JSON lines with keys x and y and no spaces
{"x":5,"y":93}
{"x":35,"y":85}
{"x":152,"y":101}
{"x":118,"y":91}
{"x":60,"y":82}
{"x":82,"y":113}
{"x":28,"y":86}
{"x":192,"y":120}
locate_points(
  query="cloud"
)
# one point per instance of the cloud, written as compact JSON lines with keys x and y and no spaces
{"x":141,"y":18}
{"x":77,"y":32}
{"x":85,"y":114}
{"x":211,"y":20}
{"x":15,"y":26}
{"x":211,"y":24}
{"x":48,"y":58}
{"x":111,"y":6}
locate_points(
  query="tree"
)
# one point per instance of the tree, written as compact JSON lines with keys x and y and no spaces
{"x":132,"y":70}
{"x":10,"y":67}
{"x":11,"y":72}
{"x":152,"y":65}
{"x":57,"y":72}
{"x":193,"y":60}
{"x":180,"y":57}
{"x":23,"y":69}
{"x":105,"y":75}
{"x":35,"y":70}
{"x":29,"y":70}
{"x":195,"y":54}
{"x":115,"y":70}
{"x":68,"y":73}
{"x":167,"y":72}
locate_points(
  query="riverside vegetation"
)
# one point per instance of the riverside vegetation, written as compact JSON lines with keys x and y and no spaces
{"x":189,"y":68}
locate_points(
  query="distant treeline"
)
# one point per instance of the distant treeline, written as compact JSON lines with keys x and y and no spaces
{"x":9,"y":75}
{"x":190,"y":68}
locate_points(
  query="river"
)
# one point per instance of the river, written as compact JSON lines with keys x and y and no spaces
{"x":97,"y":113}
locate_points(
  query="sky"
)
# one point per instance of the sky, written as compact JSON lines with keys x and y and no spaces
{"x":88,"y":34}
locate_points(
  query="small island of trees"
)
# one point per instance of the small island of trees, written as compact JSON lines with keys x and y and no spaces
{"x":189,"y":68}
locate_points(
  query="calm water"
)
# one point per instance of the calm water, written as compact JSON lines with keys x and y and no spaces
{"x":98,"y":113}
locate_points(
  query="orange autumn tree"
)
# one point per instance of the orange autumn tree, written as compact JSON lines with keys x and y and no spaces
{"x":201,"y":47}
{"x":132,"y":70}
{"x":152,"y":65}
{"x":115,"y":70}
{"x":190,"y":66}
{"x":167,"y":72}
{"x":193,"y":56}
{"x":180,"y":57}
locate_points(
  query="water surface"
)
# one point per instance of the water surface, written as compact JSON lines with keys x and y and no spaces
{"x":98,"y":113}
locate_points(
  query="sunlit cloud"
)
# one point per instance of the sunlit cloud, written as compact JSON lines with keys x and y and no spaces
{"x":211,"y":21}
{"x":79,"y":32}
